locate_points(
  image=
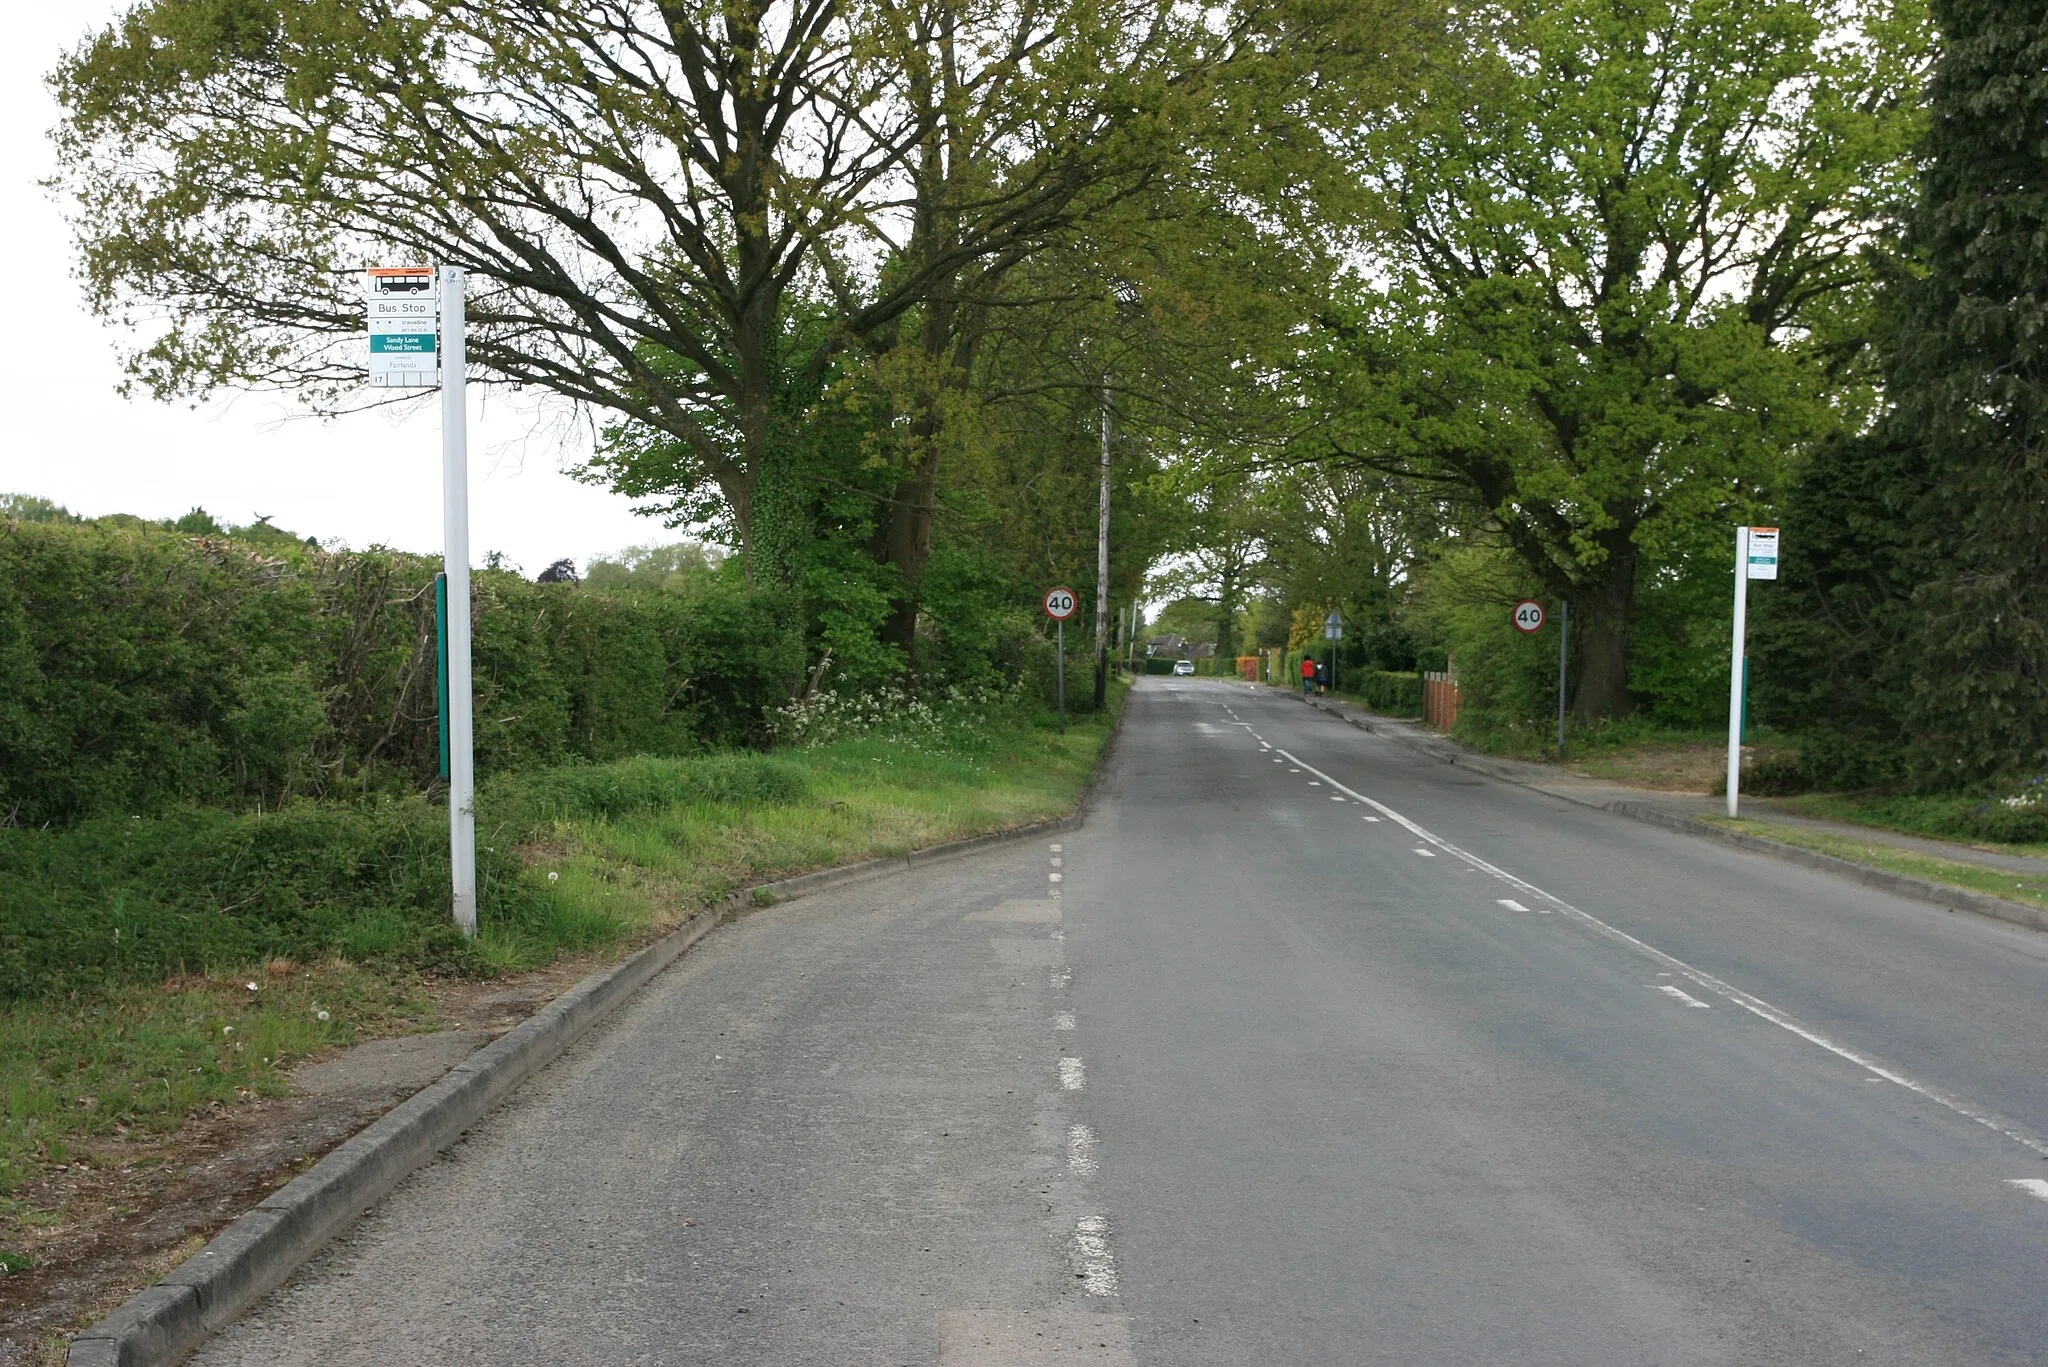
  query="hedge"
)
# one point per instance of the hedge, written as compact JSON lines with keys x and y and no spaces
{"x":141,"y":670}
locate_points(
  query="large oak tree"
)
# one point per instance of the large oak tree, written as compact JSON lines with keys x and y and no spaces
{"x":1616,"y":266}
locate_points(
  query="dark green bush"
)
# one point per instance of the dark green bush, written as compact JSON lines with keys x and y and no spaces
{"x":1395,"y":693}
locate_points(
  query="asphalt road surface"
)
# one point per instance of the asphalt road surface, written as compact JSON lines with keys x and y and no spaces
{"x":1308,"y":1049}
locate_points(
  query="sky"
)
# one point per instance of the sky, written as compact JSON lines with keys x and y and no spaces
{"x":368,"y":479}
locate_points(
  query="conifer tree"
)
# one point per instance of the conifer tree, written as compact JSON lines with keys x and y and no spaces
{"x":1970,"y":388}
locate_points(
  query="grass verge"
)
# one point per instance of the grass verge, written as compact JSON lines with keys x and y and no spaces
{"x":233,"y":968}
{"x":1891,"y":859}
{"x":1982,"y":821}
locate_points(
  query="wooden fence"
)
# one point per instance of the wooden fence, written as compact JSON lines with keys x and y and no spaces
{"x":1440,"y":700}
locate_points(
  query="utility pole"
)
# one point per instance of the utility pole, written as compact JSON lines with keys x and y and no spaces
{"x":1102,"y":566}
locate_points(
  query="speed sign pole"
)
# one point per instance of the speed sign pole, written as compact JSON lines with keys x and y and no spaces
{"x":1060,"y":604}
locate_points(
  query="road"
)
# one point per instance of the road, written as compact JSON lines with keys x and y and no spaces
{"x":1305,"y":1050}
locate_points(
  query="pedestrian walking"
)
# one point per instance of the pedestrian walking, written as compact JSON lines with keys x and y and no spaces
{"x":1322,"y":677}
{"x":1308,"y":675}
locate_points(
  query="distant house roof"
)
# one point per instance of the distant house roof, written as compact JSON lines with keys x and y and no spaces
{"x":1204,"y":651}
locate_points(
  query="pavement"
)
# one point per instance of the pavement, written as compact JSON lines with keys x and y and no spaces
{"x":1307,"y":1049}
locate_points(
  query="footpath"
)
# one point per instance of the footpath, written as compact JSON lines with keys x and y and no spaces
{"x":1906,"y":864}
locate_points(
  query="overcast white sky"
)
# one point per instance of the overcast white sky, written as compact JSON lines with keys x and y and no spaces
{"x":367,"y":479}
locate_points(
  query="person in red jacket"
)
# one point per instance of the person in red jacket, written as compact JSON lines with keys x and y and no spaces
{"x":1308,"y":674}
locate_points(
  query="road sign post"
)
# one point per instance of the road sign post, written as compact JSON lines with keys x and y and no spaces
{"x":1564,"y":636}
{"x":455,"y":555}
{"x":416,"y":342}
{"x":1333,"y":632}
{"x":1756,"y":557}
{"x":1060,"y":604}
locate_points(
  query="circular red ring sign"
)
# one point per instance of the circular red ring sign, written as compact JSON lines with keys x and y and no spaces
{"x":1061,"y":603}
{"x":1528,"y":616}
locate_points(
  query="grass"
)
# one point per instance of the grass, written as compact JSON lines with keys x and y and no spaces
{"x":1891,"y":859}
{"x":595,"y":857}
{"x":1972,"y":820}
{"x":140,"y":1058}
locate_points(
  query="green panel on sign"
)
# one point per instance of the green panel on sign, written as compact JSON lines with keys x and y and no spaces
{"x":404,"y":343}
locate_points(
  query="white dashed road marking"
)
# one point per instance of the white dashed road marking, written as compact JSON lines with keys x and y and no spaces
{"x":1073,"y":1075}
{"x":1757,"y":1006}
{"x":1512,"y":905}
{"x":2032,"y":1186}
{"x":1095,"y":1265}
{"x":1668,"y":990}
{"x":1082,"y":1151}
{"x":1426,"y":854}
{"x":1063,"y":1021}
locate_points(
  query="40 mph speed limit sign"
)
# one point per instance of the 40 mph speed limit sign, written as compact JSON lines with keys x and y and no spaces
{"x":1528,"y":616}
{"x":1060,"y":604}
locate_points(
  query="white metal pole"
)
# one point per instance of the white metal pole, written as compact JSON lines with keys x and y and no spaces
{"x":1735,"y":668}
{"x":455,"y":540}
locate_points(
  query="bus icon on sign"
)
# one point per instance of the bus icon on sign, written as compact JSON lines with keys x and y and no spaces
{"x":401,"y":282}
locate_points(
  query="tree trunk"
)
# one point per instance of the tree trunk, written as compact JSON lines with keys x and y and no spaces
{"x":904,"y":540}
{"x":1600,"y":610}
{"x":1226,"y":613}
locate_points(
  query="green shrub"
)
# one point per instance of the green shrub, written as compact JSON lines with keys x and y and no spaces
{"x":141,"y":669}
{"x":1395,"y":693}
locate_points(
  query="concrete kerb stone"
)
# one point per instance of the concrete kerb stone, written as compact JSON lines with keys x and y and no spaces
{"x":1919,"y":889}
{"x":161,"y":1324}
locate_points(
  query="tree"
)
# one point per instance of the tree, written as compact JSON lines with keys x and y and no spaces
{"x":1619,"y":275}
{"x":1970,"y":389}
{"x":703,"y":219}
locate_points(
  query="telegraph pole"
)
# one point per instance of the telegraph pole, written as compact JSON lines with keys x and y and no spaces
{"x":1102,"y":566}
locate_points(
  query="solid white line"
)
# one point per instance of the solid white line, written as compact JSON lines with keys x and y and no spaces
{"x":1511,"y":904}
{"x":1757,"y":1006}
{"x":1683,"y":996}
{"x":1073,"y":1075}
{"x":2032,"y":1186}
